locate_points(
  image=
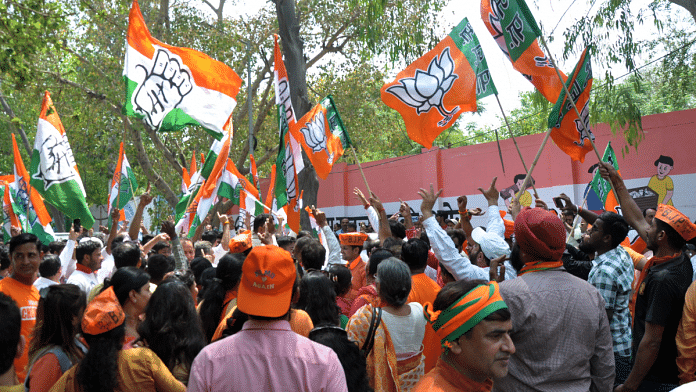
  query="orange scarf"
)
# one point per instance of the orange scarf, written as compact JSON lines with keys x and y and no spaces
{"x":83,"y":268}
{"x":644,"y":273}
{"x":536,"y":266}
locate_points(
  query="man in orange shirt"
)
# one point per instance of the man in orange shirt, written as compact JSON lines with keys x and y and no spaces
{"x":25,"y":254}
{"x":423,"y":290}
{"x":351,"y":246}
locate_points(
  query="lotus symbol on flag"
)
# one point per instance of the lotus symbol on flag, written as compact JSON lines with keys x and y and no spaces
{"x":314,"y":133}
{"x":163,"y":87}
{"x":426,"y":90}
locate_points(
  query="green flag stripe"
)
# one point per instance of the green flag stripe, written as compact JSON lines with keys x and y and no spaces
{"x":466,"y":41}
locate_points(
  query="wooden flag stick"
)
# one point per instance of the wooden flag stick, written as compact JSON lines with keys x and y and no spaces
{"x":570,"y":98}
{"x":355,"y":155}
{"x":512,"y":136}
{"x":531,"y":168}
{"x":500,"y":153}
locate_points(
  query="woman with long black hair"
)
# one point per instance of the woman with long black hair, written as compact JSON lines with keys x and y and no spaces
{"x":172,"y":328}
{"x":107,"y":367}
{"x":131,"y":286}
{"x":220,"y":297}
{"x":54,"y":346}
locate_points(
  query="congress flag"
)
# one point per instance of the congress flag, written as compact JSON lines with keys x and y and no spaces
{"x":33,"y":215}
{"x":602,"y":187}
{"x":250,"y":204}
{"x":9,"y":212}
{"x":232,"y":182}
{"x":433,"y":91}
{"x":123,"y":185}
{"x":514,"y":28}
{"x":170,"y":87}
{"x":570,"y":133}
{"x":322,"y":135}
{"x":285,"y":188}
{"x":53,"y":169}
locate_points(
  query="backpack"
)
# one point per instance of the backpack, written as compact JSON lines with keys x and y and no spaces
{"x":63,"y":360}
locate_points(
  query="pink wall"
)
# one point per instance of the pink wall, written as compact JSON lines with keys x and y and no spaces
{"x":462,"y":170}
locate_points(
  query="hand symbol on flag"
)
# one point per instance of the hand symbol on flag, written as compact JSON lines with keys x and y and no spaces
{"x":427,"y":89}
{"x":163,"y":88}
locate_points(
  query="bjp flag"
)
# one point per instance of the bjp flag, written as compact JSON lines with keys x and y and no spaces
{"x":432,"y":92}
{"x":570,"y":133}
{"x":514,"y":28}
{"x":322,"y":135}
{"x":602,"y":187}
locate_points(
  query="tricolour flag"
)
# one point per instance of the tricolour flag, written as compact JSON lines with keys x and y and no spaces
{"x":286,"y":193}
{"x":9,"y":212}
{"x":123,"y":185}
{"x":602,"y":187}
{"x":271,"y":184}
{"x":232,"y":182}
{"x":322,"y":135}
{"x":570,"y":133}
{"x":170,"y":87}
{"x":196,"y":211}
{"x":514,"y":28}
{"x":318,"y":233}
{"x":33,"y":215}
{"x":250,"y":204}
{"x":432,"y":92}
{"x":187,"y":175}
{"x":54,"y":172}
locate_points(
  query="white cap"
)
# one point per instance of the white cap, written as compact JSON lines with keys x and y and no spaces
{"x":492,"y":245}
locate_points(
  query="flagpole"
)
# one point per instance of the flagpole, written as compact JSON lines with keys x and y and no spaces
{"x":512,"y":136}
{"x":355,"y":155}
{"x":500,"y":153}
{"x":570,"y":98}
{"x":531,"y":168}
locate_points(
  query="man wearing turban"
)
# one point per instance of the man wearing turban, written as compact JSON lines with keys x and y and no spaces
{"x":559,"y":326}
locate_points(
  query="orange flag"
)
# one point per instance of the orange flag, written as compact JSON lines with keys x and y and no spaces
{"x":432,"y":92}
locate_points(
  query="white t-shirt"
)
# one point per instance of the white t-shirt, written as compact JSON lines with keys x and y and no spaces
{"x":406,"y":331}
{"x":84,"y":281}
{"x":42,"y":282}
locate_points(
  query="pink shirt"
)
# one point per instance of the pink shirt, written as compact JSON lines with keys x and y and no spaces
{"x":266,"y":356}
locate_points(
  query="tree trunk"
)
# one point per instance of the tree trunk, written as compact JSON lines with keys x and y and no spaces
{"x":296,"y":65}
{"x":18,"y":128}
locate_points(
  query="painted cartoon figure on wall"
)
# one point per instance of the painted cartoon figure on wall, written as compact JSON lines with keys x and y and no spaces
{"x":508,"y":193}
{"x":661,"y":183}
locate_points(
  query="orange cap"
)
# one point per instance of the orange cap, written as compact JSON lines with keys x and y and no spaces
{"x":103,"y":314}
{"x":677,"y":220}
{"x":353,"y":239}
{"x":509,"y":225}
{"x":240,"y":242}
{"x":268,"y":275}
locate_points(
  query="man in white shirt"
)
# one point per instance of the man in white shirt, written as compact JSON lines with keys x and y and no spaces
{"x":89,"y":260}
{"x":50,"y":272}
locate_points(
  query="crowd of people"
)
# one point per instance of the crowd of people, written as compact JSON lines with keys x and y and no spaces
{"x":536,"y":302}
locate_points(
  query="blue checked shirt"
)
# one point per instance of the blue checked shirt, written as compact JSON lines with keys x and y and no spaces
{"x":612,"y":275}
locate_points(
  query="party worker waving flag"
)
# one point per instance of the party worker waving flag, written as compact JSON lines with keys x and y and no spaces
{"x":432,"y":92}
{"x":170,"y":87}
{"x":232,"y":182}
{"x":33,"y":215}
{"x":568,"y":132}
{"x":123,"y":185}
{"x":9,"y":212}
{"x":286,"y":193}
{"x":602,"y":187}
{"x":53,"y":169}
{"x":322,"y":135}
{"x":514,"y":28}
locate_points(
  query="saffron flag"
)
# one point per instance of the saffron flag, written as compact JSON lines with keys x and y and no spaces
{"x":570,"y":133}
{"x":33,"y":215}
{"x":232,"y":183}
{"x":318,"y":233}
{"x":170,"y":88}
{"x":195,"y":211}
{"x":514,"y":28}
{"x":9,"y":212}
{"x":322,"y":135}
{"x":53,"y":169}
{"x":432,"y":92}
{"x":269,"y":195}
{"x":123,"y":186}
{"x":602,"y":187}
